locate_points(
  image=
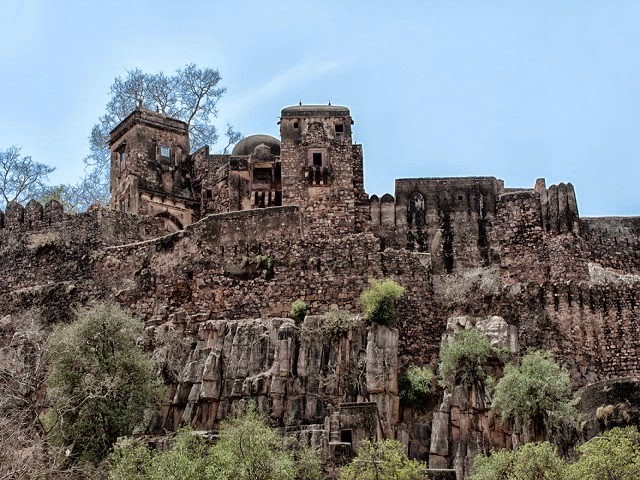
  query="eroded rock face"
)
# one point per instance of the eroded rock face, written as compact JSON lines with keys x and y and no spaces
{"x":294,"y":373}
{"x":500,"y":333}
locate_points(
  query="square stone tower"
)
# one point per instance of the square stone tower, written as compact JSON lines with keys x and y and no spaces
{"x":149,"y":171}
{"x":322,"y":169}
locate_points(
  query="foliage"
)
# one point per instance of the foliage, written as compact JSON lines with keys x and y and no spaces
{"x":21,"y":178}
{"x":336,"y":323}
{"x":191,"y":94}
{"x":384,"y":459}
{"x":170,"y":351}
{"x":264,"y":262}
{"x":615,"y":456}
{"x":379,"y":301}
{"x":532,"y":461}
{"x":462,"y":360}
{"x":416,"y":384}
{"x":530,"y":389}
{"x":247,"y":449}
{"x":299,"y":310}
{"x":101,"y":384}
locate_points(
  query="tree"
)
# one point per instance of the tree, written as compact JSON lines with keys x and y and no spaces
{"x":102,"y":385}
{"x":532,"y":388}
{"x":383,"y":460}
{"x":249,"y":449}
{"x":379,"y":301}
{"x":463,"y":360}
{"x":532,"y":461}
{"x":21,"y":178}
{"x":416,"y":384}
{"x":191,"y":94}
{"x":613,"y":456}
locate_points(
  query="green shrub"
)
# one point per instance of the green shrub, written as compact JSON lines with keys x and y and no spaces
{"x":247,"y":449}
{"x":336,"y":323}
{"x":416,"y":384}
{"x":299,"y":310}
{"x":463,"y":361}
{"x":532,"y":461}
{"x":613,"y":455}
{"x":531,"y":388}
{"x":102,"y":385}
{"x":384,"y":459}
{"x":379,"y":301}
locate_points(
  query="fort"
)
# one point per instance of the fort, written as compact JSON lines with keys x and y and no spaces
{"x":219,"y":246}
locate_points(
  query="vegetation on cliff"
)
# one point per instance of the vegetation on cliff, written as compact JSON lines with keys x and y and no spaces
{"x":615,"y":455}
{"x":102,"y":385}
{"x":416,"y":384}
{"x":379,"y":301}
{"x":248,"y":449}
{"x":463,"y":360}
{"x":533,"y":388}
{"x":381,"y":460}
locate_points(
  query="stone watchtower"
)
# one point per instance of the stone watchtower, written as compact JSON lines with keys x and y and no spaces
{"x":149,"y":174}
{"x":322,"y":169}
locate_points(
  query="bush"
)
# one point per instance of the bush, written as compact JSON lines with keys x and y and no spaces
{"x":248,"y":449}
{"x":416,"y":384}
{"x":336,"y":323}
{"x":299,"y":310}
{"x":382,"y":460}
{"x":532,"y":461}
{"x":614,"y":455}
{"x":379,"y":301}
{"x":462,"y":361}
{"x":101,"y":384}
{"x":530,"y":389}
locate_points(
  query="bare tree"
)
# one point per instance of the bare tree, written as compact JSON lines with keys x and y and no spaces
{"x":191,"y":94}
{"x":21,"y":178}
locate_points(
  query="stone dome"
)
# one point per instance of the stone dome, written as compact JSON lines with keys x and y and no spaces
{"x":248,"y":144}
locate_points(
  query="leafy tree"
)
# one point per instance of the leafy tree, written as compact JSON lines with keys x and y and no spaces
{"x":416,"y":384}
{"x":249,"y":449}
{"x":101,"y":385}
{"x":379,"y":301}
{"x":463,"y":360}
{"x":613,"y":456}
{"x":383,"y":460}
{"x":191,"y":94}
{"x":21,"y":178}
{"x":532,"y":388}
{"x":532,"y":461}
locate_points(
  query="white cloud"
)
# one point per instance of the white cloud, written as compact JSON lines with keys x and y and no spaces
{"x":298,"y":73}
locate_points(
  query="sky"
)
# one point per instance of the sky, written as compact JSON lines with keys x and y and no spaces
{"x":516,"y":90}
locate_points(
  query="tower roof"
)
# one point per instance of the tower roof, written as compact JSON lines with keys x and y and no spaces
{"x":315,"y":111}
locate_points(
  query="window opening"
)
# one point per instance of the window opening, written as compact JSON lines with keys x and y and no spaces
{"x":339,"y":128}
{"x":317,"y":159}
{"x":295,"y":124}
{"x":346,"y":436}
{"x":165,"y":151}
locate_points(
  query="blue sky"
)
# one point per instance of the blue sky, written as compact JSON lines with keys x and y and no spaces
{"x":512,"y":89}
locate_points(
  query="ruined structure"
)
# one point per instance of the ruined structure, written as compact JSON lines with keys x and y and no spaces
{"x":217,"y":247}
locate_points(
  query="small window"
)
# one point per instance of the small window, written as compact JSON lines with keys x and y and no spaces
{"x":295,"y":124}
{"x":339,"y":127}
{"x":317,"y":159}
{"x":123,"y":156}
{"x":165,"y":151}
{"x":346,"y":436}
{"x":122,"y":209}
{"x":209,"y":194}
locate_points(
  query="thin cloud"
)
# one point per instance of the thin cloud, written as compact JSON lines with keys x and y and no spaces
{"x":280,"y":82}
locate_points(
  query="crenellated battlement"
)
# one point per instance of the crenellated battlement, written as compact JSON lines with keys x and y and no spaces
{"x":32,"y":217}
